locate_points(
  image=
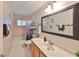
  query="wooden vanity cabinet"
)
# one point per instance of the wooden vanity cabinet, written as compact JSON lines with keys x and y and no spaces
{"x":35,"y":51}
{"x":41,"y":54}
{"x":32,"y":52}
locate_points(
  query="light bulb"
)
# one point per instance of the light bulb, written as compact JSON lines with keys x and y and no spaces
{"x":48,"y":9}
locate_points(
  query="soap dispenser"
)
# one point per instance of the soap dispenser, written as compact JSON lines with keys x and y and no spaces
{"x":44,"y":39}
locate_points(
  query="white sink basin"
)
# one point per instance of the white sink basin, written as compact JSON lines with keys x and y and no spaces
{"x":49,"y":46}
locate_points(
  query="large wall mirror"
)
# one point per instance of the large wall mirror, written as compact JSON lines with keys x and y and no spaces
{"x":63,"y":23}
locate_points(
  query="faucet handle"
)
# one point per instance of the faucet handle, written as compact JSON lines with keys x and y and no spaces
{"x":50,"y":42}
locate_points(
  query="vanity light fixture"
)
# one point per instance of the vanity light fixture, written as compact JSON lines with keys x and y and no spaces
{"x":49,"y":8}
{"x":54,"y":6}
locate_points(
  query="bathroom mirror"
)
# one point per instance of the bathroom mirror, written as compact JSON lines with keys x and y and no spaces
{"x":63,"y":23}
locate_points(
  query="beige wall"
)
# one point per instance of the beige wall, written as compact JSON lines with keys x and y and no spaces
{"x":1,"y":27}
{"x":19,"y":31}
{"x":66,"y":43}
{"x":7,"y":41}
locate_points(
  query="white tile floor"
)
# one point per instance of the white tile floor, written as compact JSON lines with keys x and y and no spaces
{"x":19,"y":49}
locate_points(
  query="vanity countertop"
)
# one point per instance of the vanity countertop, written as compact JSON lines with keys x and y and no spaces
{"x":54,"y":51}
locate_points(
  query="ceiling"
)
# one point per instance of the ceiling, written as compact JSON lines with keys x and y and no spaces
{"x":26,"y":7}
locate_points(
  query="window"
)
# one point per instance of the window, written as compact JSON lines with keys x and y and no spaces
{"x":21,"y":22}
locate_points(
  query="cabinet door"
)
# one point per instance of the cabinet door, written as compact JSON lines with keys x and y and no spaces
{"x":32,"y":49}
{"x":41,"y":54}
{"x":36,"y":51}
